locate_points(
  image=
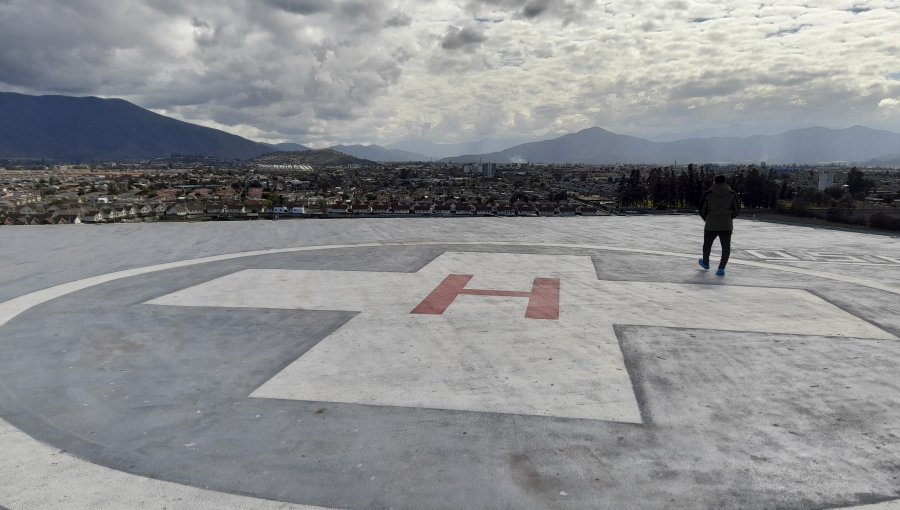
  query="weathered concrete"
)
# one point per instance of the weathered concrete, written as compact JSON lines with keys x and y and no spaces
{"x":298,"y":374}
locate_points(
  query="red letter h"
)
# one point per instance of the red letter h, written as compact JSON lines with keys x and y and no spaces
{"x":543,"y":300}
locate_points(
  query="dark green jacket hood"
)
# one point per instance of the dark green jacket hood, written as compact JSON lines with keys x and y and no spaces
{"x":719,"y":206}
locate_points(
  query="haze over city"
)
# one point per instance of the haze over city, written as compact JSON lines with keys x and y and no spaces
{"x":323,"y":72}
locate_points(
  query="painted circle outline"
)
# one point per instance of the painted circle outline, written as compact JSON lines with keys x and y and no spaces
{"x":13,"y":307}
{"x":95,"y":479}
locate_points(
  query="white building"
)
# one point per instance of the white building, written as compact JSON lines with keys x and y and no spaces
{"x":826,"y":178}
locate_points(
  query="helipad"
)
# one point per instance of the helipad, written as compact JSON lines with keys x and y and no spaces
{"x":428,"y":363}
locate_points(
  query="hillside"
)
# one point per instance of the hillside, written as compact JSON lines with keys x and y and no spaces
{"x":380,"y":154}
{"x":889,"y":160}
{"x":314,"y":157}
{"x":90,"y":129}
{"x":599,"y":146}
{"x":289,"y":147}
{"x":433,"y":150}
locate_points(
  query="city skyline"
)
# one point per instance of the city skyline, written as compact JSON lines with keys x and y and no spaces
{"x":322,"y":72}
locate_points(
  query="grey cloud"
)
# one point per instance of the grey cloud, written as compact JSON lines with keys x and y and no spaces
{"x":343,"y":87}
{"x":649,"y":26}
{"x":333,"y":112}
{"x":343,"y":20}
{"x":353,"y":71}
{"x":708,"y":87}
{"x":784,"y":76}
{"x":401,"y":56}
{"x":204,"y":33}
{"x":458,"y":63}
{"x":544,"y":53}
{"x":462,"y":38}
{"x":226,"y":63}
{"x":57,"y":46}
{"x":170,"y":7}
{"x":717,"y":36}
{"x":535,"y":8}
{"x":356,"y":10}
{"x":800,"y":99}
{"x":512,"y":58}
{"x":495,"y":19}
{"x":676,"y":5}
{"x":301,"y":6}
{"x":400,"y":20}
{"x":567,"y":10}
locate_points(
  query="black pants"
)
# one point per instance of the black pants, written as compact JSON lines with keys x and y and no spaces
{"x":724,"y":237}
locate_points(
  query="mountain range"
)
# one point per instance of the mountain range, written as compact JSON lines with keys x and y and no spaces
{"x":86,"y":129}
{"x":599,"y":146}
{"x":444,"y":150}
{"x":90,"y":129}
{"x":377,"y":153}
{"x":290,"y":147}
{"x":315,"y":157}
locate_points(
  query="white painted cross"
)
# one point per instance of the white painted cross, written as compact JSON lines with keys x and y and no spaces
{"x":498,"y":332}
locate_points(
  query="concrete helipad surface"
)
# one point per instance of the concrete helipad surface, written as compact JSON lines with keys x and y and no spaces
{"x":447,"y":363}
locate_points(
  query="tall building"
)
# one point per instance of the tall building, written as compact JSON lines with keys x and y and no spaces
{"x":489,"y":169}
{"x":826,"y":178}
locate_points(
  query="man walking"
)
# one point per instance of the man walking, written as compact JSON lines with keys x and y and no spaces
{"x":718,"y":208}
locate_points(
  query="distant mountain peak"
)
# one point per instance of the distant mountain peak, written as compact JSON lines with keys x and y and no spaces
{"x":599,"y":146}
{"x":596,"y":129}
{"x":85,"y":129}
{"x":93,"y":129}
{"x":322,"y":157}
{"x":290,"y":146}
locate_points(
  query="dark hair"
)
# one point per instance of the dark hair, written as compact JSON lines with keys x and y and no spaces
{"x":720,"y":179}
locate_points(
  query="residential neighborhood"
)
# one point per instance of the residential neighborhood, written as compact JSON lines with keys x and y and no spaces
{"x":188,"y":189}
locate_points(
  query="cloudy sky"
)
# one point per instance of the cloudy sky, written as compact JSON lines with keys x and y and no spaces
{"x":321,"y":72}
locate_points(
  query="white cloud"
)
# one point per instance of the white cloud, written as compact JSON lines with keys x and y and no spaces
{"x":348,"y":71}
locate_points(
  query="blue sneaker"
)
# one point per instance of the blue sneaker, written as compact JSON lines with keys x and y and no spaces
{"x":704,"y":265}
{"x":720,"y":272}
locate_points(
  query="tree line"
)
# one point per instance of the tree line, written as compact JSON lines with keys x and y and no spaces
{"x":789,"y":193}
{"x":664,"y":188}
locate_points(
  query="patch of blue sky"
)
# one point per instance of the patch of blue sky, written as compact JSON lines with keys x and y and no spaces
{"x":894,"y":76}
{"x":788,"y":31}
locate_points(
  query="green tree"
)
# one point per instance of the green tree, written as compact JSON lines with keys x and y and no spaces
{"x":632,"y":191}
{"x":658,"y":189}
{"x":835,"y":192}
{"x":857,"y":182}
